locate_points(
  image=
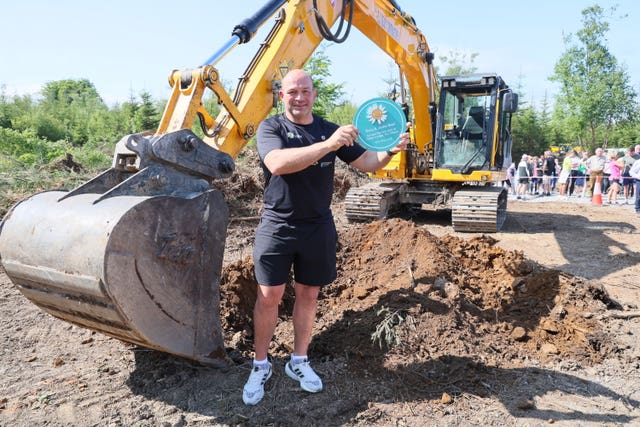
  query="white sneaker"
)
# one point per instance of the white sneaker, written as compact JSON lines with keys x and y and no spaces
{"x":253,"y":391}
{"x":304,"y":374}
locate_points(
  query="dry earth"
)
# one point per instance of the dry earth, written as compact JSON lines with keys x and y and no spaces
{"x":536,"y":325}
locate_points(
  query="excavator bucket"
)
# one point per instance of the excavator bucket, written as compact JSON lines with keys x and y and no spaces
{"x":135,"y":255}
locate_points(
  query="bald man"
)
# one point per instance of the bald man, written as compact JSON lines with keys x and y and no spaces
{"x":298,"y":150}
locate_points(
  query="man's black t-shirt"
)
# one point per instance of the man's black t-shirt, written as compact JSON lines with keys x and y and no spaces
{"x":303,"y":196}
{"x":549,"y":166}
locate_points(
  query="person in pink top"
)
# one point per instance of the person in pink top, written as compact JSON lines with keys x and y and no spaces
{"x":615,"y":175}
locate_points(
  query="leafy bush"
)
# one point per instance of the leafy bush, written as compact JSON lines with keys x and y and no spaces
{"x":92,"y":160}
{"x":28,"y":149}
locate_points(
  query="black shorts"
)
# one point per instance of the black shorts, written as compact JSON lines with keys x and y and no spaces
{"x":309,"y":248}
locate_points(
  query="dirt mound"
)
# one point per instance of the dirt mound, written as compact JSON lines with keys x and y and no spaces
{"x":243,"y":190}
{"x":412,"y":296}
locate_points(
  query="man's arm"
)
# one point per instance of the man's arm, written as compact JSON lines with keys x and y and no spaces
{"x":290,"y":160}
{"x":371,"y":161}
{"x":635,"y":170}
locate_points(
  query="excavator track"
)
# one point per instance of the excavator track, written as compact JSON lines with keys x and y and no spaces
{"x":479,"y":210}
{"x":372,"y":201}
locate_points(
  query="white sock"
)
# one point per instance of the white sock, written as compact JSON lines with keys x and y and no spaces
{"x":295,"y":359}
{"x":262,"y":364}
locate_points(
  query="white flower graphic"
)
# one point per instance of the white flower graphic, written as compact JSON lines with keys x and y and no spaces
{"x":376,"y":114}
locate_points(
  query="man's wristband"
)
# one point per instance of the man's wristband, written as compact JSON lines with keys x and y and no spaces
{"x":390,"y":154}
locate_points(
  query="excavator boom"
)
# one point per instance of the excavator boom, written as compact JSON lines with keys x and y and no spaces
{"x":300,"y":26}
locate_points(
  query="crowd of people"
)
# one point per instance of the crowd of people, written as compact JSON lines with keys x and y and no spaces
{"x":577,"y":173}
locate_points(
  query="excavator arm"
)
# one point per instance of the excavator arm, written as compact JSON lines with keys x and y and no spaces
{"x":136,"y":252}
{"x":300,"y":26}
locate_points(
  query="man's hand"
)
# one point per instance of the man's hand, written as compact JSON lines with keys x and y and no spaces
{"x":344,"y":136}
{"x":405,"y":138}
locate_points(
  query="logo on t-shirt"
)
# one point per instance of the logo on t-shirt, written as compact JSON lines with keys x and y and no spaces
{"x":292,"y":135}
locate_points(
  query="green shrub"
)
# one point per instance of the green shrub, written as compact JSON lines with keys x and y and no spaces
{"x":28,"y":149}
{"x":92,"y":160}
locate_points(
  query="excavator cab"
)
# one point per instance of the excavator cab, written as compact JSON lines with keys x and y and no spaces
{"x":473,"y":157}
{"x":474,"y":124}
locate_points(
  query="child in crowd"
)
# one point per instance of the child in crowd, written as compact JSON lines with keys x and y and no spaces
{"x":616,"y":165}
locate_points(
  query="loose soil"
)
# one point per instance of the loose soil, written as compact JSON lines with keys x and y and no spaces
{"x":534,"y":325}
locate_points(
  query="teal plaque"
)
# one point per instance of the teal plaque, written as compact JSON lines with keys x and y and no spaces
{"x":380,"y":122}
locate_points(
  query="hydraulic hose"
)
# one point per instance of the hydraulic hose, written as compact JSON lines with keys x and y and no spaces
{"x":325,"y":31}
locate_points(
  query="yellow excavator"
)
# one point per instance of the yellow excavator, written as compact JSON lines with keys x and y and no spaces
{"x":137,"y":252}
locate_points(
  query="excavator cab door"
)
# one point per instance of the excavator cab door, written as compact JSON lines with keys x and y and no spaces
{"x":473,"y":123}
{"x":462,"y":145}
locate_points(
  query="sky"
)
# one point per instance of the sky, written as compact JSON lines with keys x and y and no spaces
{"x":127,"y":47}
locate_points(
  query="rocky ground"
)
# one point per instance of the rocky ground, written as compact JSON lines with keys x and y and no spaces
{"x":537,"y":324}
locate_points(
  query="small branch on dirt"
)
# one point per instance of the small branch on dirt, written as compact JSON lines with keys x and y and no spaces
{"x":387,"y":328}
{"x":620,"y":315}
{"x":411,"y":276}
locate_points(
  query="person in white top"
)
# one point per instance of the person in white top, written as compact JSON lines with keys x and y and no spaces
{"x":523,"y":176}
{"x":595,"y":165}
{"x":634,"y":172}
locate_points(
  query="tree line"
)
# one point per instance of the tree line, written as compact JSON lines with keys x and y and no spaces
{"x":597,"y":106}
{"x":69,"y":116}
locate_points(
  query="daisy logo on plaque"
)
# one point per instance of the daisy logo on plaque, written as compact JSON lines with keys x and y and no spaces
{"x":380,"y":122}
{"x":376,"y":114}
